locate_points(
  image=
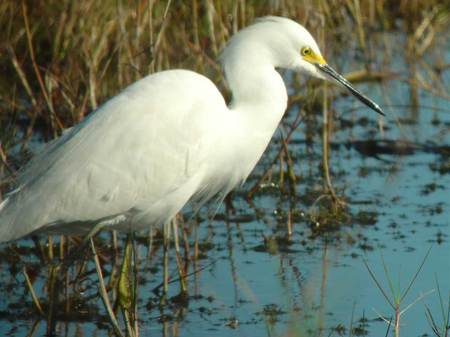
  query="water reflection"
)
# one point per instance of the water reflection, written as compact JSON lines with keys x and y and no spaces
{"x":276,"y":264}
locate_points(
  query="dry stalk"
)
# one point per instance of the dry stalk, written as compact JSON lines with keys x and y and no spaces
{"x":104,"y":293}
{"x":32,"y":292}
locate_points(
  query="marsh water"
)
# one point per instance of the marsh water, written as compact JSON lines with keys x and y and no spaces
{"x":251,"y":278}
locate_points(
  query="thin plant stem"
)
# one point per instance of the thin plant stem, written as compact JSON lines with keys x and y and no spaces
{"x":103,"y":292}
{"x":372,"y":275}
{"x":33,"y":294}
{"x":415,"y":275}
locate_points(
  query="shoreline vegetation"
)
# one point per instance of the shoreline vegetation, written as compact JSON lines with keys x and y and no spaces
{"x":62,"y":59}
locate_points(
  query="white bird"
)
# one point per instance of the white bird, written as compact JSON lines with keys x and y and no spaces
{"x":167,"y":139}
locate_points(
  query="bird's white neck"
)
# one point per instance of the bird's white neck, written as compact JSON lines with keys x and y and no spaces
{"x":259,"y":96}
{"x":258,"y":104}
{"x":249,"y":63}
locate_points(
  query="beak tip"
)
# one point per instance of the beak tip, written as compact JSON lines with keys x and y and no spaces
{"x":378,"y":109}
{"x":332,"y":74}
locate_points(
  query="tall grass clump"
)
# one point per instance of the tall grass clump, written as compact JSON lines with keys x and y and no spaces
{"x":61,"y":59}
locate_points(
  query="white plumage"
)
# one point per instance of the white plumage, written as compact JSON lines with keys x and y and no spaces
{"x":164,"y":140}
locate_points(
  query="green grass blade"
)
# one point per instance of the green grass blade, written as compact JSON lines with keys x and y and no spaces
{"x":416,"y":274}
{"x":389,"y":327}
{"x":441,"y":301}
{"x":378,"y":284}
{"x":431,"y":321}
{"x":388,"y":276}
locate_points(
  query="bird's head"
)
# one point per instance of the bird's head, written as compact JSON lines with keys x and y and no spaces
{"x":287,"y":44}
{"x":311,"y":61}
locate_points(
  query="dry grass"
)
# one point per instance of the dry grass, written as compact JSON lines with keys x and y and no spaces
{"x":61,"y":59}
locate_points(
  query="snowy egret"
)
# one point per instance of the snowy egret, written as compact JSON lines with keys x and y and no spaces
{"x":167,"y":139}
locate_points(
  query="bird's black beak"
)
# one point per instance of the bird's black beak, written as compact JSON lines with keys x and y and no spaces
{"x":334,"y":75}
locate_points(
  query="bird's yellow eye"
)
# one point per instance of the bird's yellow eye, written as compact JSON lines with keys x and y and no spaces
{"x":310,"y":56}
{"x":306,"y":51}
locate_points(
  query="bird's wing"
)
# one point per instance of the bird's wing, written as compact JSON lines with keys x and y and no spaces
{"x":139,"y":147}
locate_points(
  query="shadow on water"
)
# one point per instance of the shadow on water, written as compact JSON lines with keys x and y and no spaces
{"x":279,"y":262}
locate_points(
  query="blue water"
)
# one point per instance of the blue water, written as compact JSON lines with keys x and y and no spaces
{"x":317,"y":282}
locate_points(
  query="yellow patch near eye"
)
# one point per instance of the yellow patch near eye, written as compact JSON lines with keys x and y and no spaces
{"x":310,"y":56}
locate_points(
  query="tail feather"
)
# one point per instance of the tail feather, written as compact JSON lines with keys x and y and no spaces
{"x":13,"y":223}
{"x":6,"y":230}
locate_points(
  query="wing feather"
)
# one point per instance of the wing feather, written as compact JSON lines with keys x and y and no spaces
{"x":140,"y":147}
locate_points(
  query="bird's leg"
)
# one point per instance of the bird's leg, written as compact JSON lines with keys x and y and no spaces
{"x":166,"y":240}
{"x":229,"y":207}
{"x":181,"y":272}
{"x":82,"y":246}
{"x":150,"y":245}
{"x":40,"y":252}
{"x":53,"y":290}
{"x":57,"y":272}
